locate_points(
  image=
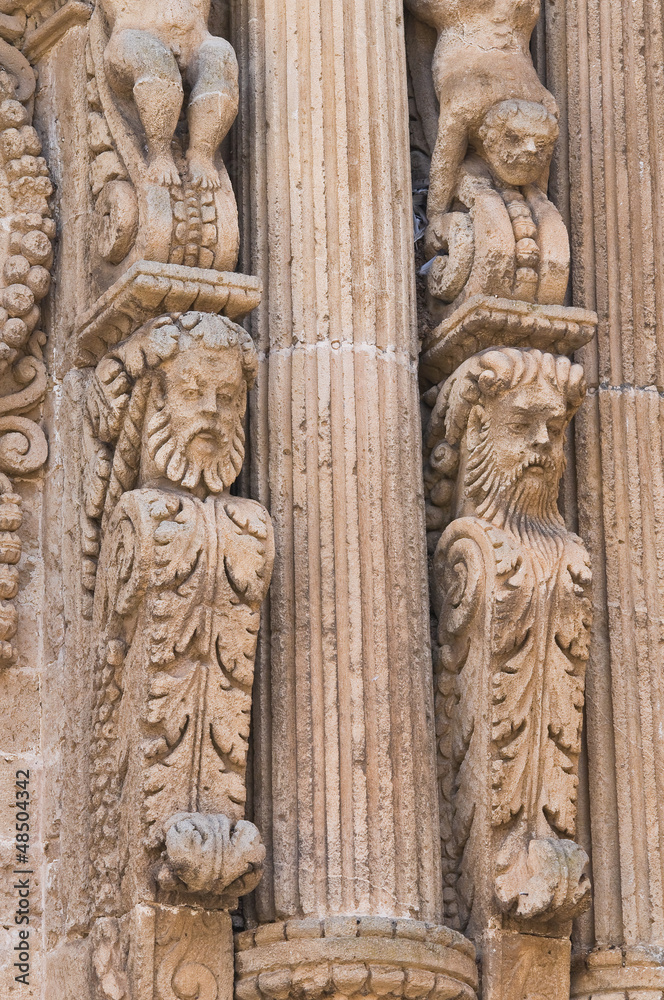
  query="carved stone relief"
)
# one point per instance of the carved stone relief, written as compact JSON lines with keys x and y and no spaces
{"x":26,"y":256}
{"x":511,"y":589}
{"x":510,"y":584}
{"x":161,"y":190}
{"x":179,"y":569}
{"x":173,"y":568}
{"x":491,"y":227}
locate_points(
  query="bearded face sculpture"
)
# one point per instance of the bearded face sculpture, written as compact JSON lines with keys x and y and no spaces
{"x":511,"y":590}
{"x":183,"y":568}
{"x":195,"y":435}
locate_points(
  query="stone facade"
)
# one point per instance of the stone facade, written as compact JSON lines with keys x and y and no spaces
{"x":331,"y":499}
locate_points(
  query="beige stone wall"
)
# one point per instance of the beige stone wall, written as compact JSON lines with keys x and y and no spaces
{"x":343,"y":782}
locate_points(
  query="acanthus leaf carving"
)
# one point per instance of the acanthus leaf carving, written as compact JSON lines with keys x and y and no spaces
{"x":180,"y":569}
{"x":511,"y":593}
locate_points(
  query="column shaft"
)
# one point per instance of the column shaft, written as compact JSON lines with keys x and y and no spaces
{"x":344,"y":788}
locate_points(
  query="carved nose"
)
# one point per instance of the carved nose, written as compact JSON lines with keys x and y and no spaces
{"x":209,"y":402}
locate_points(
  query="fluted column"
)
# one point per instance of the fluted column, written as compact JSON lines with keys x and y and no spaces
{"x":344,"y":771}
{"x":610,"y":57}
{"x":344,"y":776}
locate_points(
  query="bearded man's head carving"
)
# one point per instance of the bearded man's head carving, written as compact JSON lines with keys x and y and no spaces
{"x":194,"y":427}
{"x":504,"y":414}
{"x":168,"y":404}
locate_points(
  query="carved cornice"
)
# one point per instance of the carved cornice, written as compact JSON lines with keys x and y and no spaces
{"x":486,"y":320}
{"x":148,"y":289}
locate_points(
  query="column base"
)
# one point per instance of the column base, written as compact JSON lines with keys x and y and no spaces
{"x":355,"y":957}
{"x":618,"y":974}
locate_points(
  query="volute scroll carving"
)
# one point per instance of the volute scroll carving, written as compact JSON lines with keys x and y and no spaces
{"x":511,"y":592}
{"x":490,"y":158}
{"x":160,"y":188}
{"x":26,"y":256}
{"x":510,"y":584}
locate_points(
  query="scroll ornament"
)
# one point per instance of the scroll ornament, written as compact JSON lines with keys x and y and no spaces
{"x":181,"y":572}
{"x":26,"y":255}
{"x":160,"y":188}
{"x":492,"y":229}
{"x":511,"y":592}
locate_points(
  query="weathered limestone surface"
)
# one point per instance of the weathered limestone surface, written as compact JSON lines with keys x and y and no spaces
{"x":344,"y":782}
{"x":510,"y":584}
{"x":344,"y":786}
{"x":363,"y":793}
{"x":604,"y":61}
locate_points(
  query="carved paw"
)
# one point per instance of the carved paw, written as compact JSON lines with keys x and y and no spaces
{"x":202,"y":172}
{"x":206,"y":854}
{"x":544,"y":880}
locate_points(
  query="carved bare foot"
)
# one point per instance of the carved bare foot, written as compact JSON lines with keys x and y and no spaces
{"x":202,"y":171}
{"x":162,"y":170}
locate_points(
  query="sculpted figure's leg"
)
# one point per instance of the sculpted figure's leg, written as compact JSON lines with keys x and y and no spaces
{"x":448,"y":155}
{"x":213,"y":107}
{"x":139,"y":65}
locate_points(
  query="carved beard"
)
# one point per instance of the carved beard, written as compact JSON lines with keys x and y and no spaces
{"x":173,"y":459}
{"x":520,"y":503}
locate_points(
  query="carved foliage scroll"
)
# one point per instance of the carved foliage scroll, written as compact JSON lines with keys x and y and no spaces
{"x":511,"y":592}
{"x":26,"y":255}
{"x":183,"y":568}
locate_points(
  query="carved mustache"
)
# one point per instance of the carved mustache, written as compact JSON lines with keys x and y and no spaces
{"x":537,"y":461}
{"x":202,"y":426}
